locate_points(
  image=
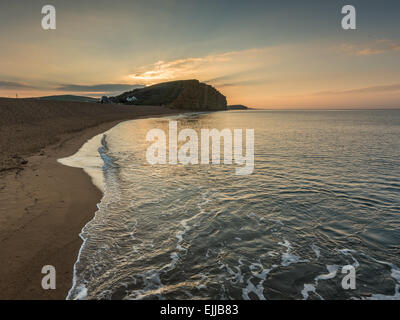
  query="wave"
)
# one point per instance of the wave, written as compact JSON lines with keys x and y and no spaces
{"x":175,"y":232}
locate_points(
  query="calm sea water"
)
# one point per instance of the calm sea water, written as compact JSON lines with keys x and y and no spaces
{"x":325,"y":193}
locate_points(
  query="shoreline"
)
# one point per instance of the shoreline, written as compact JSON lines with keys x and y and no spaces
{"x":45,"y":208}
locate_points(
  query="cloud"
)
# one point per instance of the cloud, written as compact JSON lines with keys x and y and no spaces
{"x":234,"y":76}
{"x":98,"y":87}
{"x":162,"y":70}
{"x":14,"y":85}
{"x":242,"y":83}
{"x":374,"y":48}
{"x":372,"y":89}
{"x":195,"y":67}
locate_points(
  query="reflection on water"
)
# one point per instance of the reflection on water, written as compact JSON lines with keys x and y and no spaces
{"x":325,"y":193}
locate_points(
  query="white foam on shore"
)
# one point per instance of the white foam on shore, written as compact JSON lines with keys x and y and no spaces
{"x":82,"y":293}
{"x":308,"y":287}
{"x":395,"y":274}
{"x":316,"y":250}
{"x":88,"y":158}
{"x":287,"y":257}
{"x":348,"y":252}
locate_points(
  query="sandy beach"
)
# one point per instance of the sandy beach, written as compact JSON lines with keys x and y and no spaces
{"x":44,"y":205}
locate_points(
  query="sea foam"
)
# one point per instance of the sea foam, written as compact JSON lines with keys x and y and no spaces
{"x":88,"y":158}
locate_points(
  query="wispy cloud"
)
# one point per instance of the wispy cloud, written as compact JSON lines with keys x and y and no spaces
{"x":372,"y":89}
{"x":194,"y":67}
{"x":98,"y":87}
{"x":228,"y":78}
{"x":162,"y":70}
{"x":14,"y":85}
{"x":377,"y":47}
{"x":242,"y":83}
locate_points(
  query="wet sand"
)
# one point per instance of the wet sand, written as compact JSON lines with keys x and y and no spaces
{"x":43,"y":204}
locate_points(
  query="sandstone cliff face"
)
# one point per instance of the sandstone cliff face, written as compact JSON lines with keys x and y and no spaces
{"x":199,"y":96}
{"x":182,"y":94}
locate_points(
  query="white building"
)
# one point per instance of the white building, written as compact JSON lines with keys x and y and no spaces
{"x":131,"y":99}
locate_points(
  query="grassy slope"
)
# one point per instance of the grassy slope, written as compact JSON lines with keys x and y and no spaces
{"x":159,"y":94}
{"x":71,"y":98}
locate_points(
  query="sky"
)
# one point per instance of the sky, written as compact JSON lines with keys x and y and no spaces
{"x":264,"y":54}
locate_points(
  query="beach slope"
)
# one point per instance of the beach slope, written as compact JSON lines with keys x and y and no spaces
{"x":43,"y":204}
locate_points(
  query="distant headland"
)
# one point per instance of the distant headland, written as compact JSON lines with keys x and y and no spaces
{"x":237,"y":107}
{"x":180,"y":95}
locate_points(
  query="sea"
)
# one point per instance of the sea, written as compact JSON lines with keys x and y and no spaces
{"x":318,"y":218}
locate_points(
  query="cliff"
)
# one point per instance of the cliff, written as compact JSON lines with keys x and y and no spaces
{"x":182,"y":94}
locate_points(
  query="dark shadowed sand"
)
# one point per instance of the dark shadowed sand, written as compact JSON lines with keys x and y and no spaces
{"x":43,"y":204}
